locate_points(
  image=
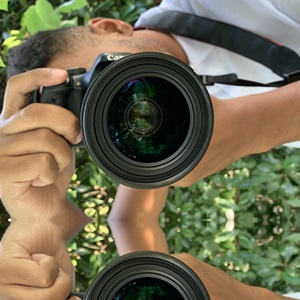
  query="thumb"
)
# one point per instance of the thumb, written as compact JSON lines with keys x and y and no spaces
{"x":18,"y":87}
{"x":39,"y":271}
{"x":47,"y":270}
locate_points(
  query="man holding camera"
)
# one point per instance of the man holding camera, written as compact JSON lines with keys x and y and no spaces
{"x":35,"y":141}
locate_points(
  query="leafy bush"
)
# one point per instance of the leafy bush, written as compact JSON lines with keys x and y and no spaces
{"x":244,"y":219}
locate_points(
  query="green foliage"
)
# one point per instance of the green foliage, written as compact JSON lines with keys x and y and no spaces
{"x":244,"y":219}
{"x":4,"y":5}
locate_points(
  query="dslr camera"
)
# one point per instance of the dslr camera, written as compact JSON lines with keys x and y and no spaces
{"x":146,"y":118}
{"x":146,"y":275}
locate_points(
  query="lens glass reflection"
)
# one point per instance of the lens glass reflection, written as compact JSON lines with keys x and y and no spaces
{"x":148,"y":119}
{"x":148,"y":289}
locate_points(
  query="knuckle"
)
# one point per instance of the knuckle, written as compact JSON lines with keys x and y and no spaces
{"x":44,"y":135}
{"x":48,"y":272}
{"x":45,"y":159}
{"x":11,"y":81}
{"x":31,"y":112}
{"x":74,"y":127}
{"x":46,"y":280}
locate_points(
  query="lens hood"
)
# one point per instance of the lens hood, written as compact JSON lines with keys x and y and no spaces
{"x":147,"y":275}
{"x":147,"y":120}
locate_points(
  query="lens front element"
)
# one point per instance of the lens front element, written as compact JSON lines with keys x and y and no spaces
{"x":147,"y":288}
{"x":143,"y":117}
{"x":148,"y":119}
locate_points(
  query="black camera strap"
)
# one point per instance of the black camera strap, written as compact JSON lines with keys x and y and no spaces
{"x":280,"y":59}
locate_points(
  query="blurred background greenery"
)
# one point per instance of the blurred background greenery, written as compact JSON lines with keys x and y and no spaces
{"x":244,"y":219}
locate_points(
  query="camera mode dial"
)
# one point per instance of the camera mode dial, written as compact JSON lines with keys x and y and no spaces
{"x":76,"y":71}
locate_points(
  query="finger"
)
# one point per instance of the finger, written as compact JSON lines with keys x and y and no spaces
{"x":18,"y":87}
{"x":27,"y":168}
{"x":44,"y":139}
{"x":39,"y":273}
{"x":35,"y":116}
{"x":60,"y":290}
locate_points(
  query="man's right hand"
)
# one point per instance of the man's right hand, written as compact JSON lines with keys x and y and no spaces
{"x":37,"y":163}
{"x":35,"y":156}
{"x":34,"y":263}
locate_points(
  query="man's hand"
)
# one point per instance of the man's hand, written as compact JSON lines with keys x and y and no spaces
{"x":37,"y":163}
{"x":35,"y":156}
{"x":26,"y":274}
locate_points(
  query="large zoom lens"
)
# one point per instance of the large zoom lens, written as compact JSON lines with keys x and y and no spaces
{"x":147,"y":276}
{"x":147,"y":120}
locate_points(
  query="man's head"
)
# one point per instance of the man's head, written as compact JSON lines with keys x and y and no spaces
{"x":78,"y":46}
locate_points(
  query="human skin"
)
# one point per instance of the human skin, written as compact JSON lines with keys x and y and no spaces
{"x":34,"y":176}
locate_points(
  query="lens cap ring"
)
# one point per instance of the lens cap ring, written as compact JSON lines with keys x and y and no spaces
{"x":153,"y":266}
{"x":95,"y":114}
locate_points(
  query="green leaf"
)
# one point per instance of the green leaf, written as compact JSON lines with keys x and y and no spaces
{"x":69,"y":6}
{"x":171,"y":234}
{"x":4,"y":5}
{"x":224,"y":203}
{"x":294,"y":280}
{"x":224,"y":237}
{"x":295,"y":237}
{"x":245,"y":241}
{"x":188,"y":233}
{"x":188,"y":206}
{"x":295,"y":263}
{"x":2,"y":65}
{"x":178,"y":196}
{"x":294,"y":203}
{"x":265,"y":272}
{"x":40,"y":17}
{"x":171,"y":206}
{"x":292,"y":159}
{"x":246,"y":220}
{"x":47,"y":13}
{"x":178,"y":243}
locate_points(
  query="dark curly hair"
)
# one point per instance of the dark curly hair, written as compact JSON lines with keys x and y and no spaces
{"x":38,"y":50}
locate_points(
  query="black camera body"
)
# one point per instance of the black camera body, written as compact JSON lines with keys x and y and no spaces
{"x":146,"y":118}
{"x":70,"y":94}
{"x":146,"y":275}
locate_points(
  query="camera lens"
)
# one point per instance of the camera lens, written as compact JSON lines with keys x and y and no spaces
{"x":142,"y":118}
{"x":147,"y":275}
{"x":147,"y":289}
{"x":141,"y":115}
{"x":147,"y":120}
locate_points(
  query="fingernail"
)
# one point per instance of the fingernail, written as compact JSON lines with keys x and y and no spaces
{"x":58,"y":73}
{"x":79,"y":138}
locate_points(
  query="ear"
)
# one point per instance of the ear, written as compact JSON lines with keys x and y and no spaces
{"x":105,"y":25}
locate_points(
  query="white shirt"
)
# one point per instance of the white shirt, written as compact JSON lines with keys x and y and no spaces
{"x":278,"y":20}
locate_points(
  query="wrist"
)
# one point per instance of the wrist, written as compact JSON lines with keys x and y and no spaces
{"x":70,"y":219}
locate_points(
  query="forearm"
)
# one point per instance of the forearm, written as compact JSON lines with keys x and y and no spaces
{"x":70,"y":220}
{"x":247,"y":125}
{"x":134,"y":220}
{"x":221,"y":285}
{"x":133,"y":236}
